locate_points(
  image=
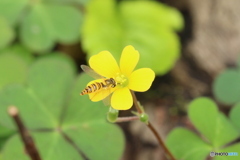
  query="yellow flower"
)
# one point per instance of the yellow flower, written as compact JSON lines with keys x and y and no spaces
{"x":124,"y":75}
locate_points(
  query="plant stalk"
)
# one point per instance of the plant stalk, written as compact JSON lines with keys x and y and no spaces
{"x":29,"y":144}
{"x":154,"y":131}
{"x":127,"y":119}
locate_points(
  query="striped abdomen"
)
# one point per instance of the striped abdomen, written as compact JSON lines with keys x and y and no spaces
{"x":94,"y":87}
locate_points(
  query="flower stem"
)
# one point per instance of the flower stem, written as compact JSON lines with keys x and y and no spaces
{"x":127,"y":119}
{"x":150,"y":126}
{"x":25,"y":135}
{"x":135,"y":101}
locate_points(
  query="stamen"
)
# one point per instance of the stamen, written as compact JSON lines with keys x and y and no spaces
{"x":121,"y":80}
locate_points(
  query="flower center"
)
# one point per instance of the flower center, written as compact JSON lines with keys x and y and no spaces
{"x":121,"y":80}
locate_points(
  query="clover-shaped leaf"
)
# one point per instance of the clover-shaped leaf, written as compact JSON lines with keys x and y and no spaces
{"x":11,"y":10}
{"x":186,"y":145}
{"x":46,"y":24}
{"x":6,"y":33}
{"x":5,"y":133}
{"x":232,"y":148}
{"x":20,"y":51}
{"x":36,"y":32}
{"x":52,"y":146}
{"x":226,"y":86}
{"x":235,"y":114}
{"x":81,"y":2}
{"x":43,"y":23}
{"x":214,"y":125}
{"x":57,"y":116}
{"x":83,"y":122}
{"x":216,"y":129}
{"x":65,"y":22}
{"x":14,"y":62}
{"x":147,"y":25}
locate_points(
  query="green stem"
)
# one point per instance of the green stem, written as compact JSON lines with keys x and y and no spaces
{"x":127,"y":119}
{"x":154,"y":131}
{"x":135,"y":102}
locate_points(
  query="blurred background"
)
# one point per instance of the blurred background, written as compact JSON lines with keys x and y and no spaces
{"x":187,"y":43}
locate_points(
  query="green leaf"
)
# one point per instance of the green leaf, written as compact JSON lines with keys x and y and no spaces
{"x":49,"y":80}
{"x":6,"y":32}
{"x":51,"y":101}
{"x":130,"y":10}
{"x":13,"y":69}
{"x":47,"y":23}
{"x":226,"y":86}
{"x":186,"y":145}
{"x":57,"y":75}
{"x":75,"y":2}
{"x":65,"y":21}
{"x":20,"y":51}
{"x":5,"y":131}
{"x":13,"y":64}
{"x":83,"y":105}
{"x":11,"y":10}
{"x":35,"y":31}
{"x":147,"y":25}
{"x":213,"y":125}
{"x":34,"y":113}
{"x":85,"y":123}
{"x":231,"y":148}
{"x":51,"y":145}
{"x":234,"y":115}
{"x":238,"y":62}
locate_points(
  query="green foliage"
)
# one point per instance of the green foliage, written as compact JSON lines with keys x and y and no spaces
{"x":235,"y":114}
{"x":226,"y":86}
{"x":5,"y":133}
{"x":216,"y":129}
{"x":52,"y":109}
{"x":14,"y":62}
{"x":186,"y":145}
{"x":147,"y":25}
{"x":41,"y":23}
{"x":51,"y":145}
{"x":12,"y":10}
{"x":232,"y":148}
{"x":80,"y":2}
{"x":6,"y":33}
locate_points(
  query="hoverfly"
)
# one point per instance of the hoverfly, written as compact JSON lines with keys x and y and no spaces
{"x":100,"y":88}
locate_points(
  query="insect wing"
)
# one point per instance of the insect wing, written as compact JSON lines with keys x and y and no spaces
{"x":91,"y":72}
{"x":107,"y":100}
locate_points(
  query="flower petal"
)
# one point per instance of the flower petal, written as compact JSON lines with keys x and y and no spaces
{"x":129,"y":60}
{"x":104,"y":64}
{"x":141,"y":79}
{"x":122,"y":99}
{"x":100,"y":95}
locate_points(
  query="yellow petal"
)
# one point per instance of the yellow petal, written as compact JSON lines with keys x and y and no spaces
{"x":122,"y":99}
{"x":141,"y":79}
{"x":129,"y":60}
{"x":100,"y":95}
{"x":104,"y":64}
